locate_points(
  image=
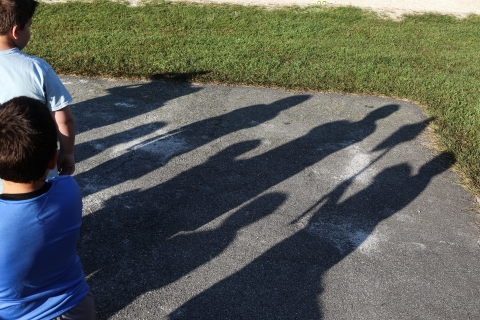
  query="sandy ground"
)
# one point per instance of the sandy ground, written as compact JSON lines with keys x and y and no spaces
{"x":460,"y":8}
{"x":392,"y":8}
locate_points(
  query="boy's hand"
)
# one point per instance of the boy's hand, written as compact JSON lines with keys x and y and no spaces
{"x":66,"y":136}
{"x":65,"y":164}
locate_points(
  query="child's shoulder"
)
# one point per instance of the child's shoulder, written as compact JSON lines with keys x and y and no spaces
{"x":65,"y":189}
{"x":65,"y":179}
{"x":19,"y":58}
{"x":64,"y":183}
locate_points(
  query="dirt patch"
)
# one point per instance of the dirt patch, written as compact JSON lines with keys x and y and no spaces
{"x":391,"y":8}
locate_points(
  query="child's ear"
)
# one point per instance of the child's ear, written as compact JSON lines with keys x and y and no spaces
{"x":14,"y":32}
{"x":53,"y":161}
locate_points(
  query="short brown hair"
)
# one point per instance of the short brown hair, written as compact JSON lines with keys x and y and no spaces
{"x":15,"y":13}
{"x":28,"y":139}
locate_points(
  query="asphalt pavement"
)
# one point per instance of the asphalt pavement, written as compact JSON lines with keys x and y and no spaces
{"x":223,"y":202}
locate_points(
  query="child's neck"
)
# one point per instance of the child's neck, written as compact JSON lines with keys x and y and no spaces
{"x":6,"y":43}
{"x":10,"y":187}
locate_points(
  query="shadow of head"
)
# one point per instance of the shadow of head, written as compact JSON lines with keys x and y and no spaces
{"x":440,"y":163}
{"x":404,"y":134}
{"x":125,"y":102}
{"x":381,"y":113}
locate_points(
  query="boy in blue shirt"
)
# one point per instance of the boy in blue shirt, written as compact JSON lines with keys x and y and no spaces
{"x":25,"y":75}
{"x":41,"y":276}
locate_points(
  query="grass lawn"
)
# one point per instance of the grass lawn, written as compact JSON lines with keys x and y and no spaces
{"x":430,"y":59}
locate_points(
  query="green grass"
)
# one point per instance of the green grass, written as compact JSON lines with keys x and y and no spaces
{"x":430,"y":59}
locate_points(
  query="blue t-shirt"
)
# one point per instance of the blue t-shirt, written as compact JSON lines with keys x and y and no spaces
{"x":41,"y":276}
{"x":25,"y":75}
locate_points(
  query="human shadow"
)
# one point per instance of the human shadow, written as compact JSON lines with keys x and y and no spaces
{"x":286,"y":281}
{"x":132,"y":244}
{"x":125,"y":102}
{"x":187,"y":138}
{"x":88,"y":149}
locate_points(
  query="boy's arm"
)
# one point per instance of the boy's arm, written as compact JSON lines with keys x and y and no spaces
{"x":66,"y":136}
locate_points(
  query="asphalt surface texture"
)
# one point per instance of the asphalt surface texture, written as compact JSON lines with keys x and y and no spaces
{"x":223,"y":202}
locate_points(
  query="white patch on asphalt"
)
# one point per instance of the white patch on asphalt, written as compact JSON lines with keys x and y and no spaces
{"x":94,"y":186}
{"x":419,"y":246}
{"x":124,"y":105}
{"x":359,"y":166}
{"x":345,"y":237}
{"x":162,"y":143}
{"x":165,"y":147}
{"x":371,"y":242}
{"x":355,"y":163}
{"x":404,"y":218}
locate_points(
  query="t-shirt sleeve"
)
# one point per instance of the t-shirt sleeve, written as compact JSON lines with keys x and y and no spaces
{"x":56,"y":95}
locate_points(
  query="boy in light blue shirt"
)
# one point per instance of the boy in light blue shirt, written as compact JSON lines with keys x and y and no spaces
{"x":25,"y":75}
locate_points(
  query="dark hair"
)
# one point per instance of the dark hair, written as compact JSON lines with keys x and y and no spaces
{"x":15,"y":13}
{"x":28,"y":139}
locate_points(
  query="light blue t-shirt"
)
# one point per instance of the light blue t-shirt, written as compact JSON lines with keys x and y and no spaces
{"x":41,"y":276}
{"x":25,"y":75}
